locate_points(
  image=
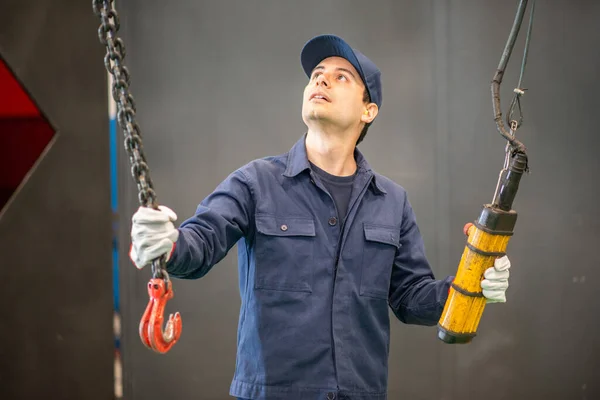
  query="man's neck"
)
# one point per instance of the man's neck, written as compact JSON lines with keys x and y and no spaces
{"x":332,"y":153}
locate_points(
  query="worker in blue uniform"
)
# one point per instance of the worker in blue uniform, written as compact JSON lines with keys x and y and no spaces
{"x":326,"y":246}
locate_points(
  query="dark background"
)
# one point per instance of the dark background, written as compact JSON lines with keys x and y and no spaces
{"x":56,"y":300}
{"x":218,"y":84}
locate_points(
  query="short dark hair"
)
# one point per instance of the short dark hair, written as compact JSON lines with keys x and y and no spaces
{"x":363,"y":133}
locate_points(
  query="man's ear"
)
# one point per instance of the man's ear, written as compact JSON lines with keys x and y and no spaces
{"x":371,"y":111}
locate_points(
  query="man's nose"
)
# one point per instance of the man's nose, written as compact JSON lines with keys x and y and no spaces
{"x":322,"y":81}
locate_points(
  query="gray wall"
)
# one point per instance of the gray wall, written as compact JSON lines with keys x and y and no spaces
{"x":55,"y":234}
{"x":219,"y":83}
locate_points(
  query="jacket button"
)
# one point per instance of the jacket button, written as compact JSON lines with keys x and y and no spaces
{"x":284,"y":227}
{"x":330,"y":396}
{"x":332,"y":221}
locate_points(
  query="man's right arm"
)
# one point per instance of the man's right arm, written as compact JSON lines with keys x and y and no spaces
{"x":220,"y":221}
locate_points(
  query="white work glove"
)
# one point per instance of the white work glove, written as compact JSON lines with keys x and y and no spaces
{"x":152,"y":235}
{"x":495,"y":281}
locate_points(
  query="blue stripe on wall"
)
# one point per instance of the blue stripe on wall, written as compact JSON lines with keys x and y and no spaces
{"x":114,"y":206}
{"x":113,"y":165}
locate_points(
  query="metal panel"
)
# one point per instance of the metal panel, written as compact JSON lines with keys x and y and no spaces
{"x":55,"y":234}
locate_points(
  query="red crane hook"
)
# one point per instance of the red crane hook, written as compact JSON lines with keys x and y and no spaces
{"x":151,"y":333}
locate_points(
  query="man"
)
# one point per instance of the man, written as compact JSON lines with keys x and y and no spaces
{"x":325,"y":246}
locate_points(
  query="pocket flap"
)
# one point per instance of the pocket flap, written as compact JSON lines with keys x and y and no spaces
{"x":382,"y":234}
{"x":285,"y":226}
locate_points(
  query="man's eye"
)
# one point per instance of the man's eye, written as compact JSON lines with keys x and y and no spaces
{"x":315,"y":75}
{"x":342,"y":77}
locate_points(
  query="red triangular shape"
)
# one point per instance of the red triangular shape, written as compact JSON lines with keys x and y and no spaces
{"x":24,"y":133}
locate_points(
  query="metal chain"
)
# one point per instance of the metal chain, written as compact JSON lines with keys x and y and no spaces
{"x":113,"y":61}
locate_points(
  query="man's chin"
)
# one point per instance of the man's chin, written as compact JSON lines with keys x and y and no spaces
{"x":317,"y":116}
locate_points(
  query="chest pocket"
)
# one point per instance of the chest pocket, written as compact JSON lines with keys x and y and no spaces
{"x":381,"y":244}
{"x":284,"y":253}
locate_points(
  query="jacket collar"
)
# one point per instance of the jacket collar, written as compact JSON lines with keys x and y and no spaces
{"x":297,"y":162}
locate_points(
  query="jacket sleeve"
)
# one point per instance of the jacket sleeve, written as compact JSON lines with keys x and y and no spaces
{"x":415,"y":296}
{"x":221,"y":219}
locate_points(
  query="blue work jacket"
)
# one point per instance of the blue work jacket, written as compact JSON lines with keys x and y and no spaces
{"x":314,"y":320}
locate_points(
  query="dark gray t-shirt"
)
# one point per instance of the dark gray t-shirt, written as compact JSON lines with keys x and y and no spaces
{"x":339,"y":187}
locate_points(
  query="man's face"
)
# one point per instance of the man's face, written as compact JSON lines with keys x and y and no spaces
{"x":334,"y":96}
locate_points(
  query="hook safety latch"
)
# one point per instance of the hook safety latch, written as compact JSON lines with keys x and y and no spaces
{"x":151,"y":333}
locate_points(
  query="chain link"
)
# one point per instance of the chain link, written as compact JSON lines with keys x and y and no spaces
{"x":113,"y":62}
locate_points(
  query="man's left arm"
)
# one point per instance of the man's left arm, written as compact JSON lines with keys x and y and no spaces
{"x":415,"y":296}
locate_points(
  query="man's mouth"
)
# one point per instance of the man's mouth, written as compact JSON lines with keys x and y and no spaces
{"x":319,"y":96}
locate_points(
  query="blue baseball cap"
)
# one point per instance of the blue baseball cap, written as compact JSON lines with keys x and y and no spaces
{"x":320,"y":47}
